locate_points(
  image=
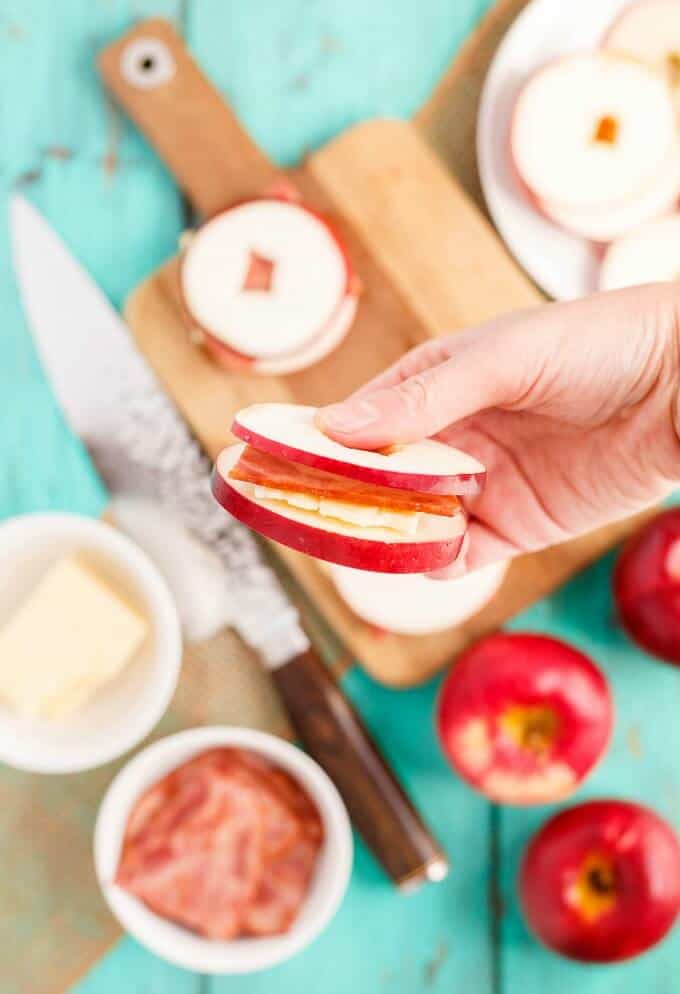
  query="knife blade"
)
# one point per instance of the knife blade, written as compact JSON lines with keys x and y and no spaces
{"x":139,"y":443}
{"x":136,"y":438}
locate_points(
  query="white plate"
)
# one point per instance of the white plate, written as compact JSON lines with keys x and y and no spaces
{"x":123,"y":711}
{"x":564,"y":265}
{"x":178,"y":945}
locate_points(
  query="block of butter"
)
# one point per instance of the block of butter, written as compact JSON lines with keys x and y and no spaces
{"x":72,"y":634}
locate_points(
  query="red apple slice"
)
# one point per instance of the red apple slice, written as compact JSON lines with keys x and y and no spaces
{"x":592,"y":130}
{"x":649,"y":30}
{"x":649,"y":254}
{"x":606,"y":224}
{"x":435,"y":544}
{"x":268,"y":285}
{"x":600,"y":882}
{"x":412,"y":604}
{"x":646,"y":586}
{"x":524,"y":718}
{"x":289,"y":431}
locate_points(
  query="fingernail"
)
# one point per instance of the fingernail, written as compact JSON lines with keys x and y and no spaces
{"x":350,"y":417}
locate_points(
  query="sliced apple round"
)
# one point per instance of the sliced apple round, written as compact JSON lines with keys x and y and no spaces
{"x":317,"y":350}
{"x":649,"y":30}
{"x":267,"y":285}
{"x":649,"y":254}
{"x":289,"y":431}
{"x":592,"y":130}
{"x":413,"y":604}
{"x":381,"y":549}
{"x":606,"y":224}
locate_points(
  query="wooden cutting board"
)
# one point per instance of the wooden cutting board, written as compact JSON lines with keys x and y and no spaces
{"x":429,"y":260}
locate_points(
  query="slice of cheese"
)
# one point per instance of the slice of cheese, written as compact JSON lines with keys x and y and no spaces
{"x":363,"y":515}
{"x":71,"y":635}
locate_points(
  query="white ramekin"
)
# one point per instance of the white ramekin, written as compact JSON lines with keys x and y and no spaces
{"x":177,"y":944}
{"x":122,"y":712}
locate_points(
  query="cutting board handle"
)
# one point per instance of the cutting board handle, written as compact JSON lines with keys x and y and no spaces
{"x":151,"y":74}
{"x":334,"y":734}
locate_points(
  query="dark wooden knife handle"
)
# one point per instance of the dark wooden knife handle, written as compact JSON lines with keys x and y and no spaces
{"x":334,"y":734}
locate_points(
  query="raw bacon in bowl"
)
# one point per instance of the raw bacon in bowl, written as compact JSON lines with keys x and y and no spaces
{"x":226,"y":844}
{"x":223,"y":849}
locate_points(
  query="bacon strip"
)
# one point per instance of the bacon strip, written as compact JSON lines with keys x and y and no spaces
{"x":225,"y":844}
{"x":266,"y":470}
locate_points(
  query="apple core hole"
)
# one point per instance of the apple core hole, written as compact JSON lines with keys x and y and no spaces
{"x":606,"y":130}
{"x":259,"y":274}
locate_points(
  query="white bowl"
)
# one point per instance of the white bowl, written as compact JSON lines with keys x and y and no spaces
{"x":178,"y":945}
{"x":123,"y":711}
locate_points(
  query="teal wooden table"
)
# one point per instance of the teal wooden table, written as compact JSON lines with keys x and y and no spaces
{"x":298,"y":71}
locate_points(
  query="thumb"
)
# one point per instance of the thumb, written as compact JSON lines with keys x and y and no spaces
{"x":421,"y":405}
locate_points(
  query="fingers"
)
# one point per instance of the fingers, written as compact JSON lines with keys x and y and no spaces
{"x":481,"y":547}
{"x":430,"y":353}
{"x":415,"y":400}
{"x":582,"y":362}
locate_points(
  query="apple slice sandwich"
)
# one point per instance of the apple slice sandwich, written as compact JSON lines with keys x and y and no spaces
{"x":392,"y":511}
{"x":267,"y":287}
{"x":594,"y":141}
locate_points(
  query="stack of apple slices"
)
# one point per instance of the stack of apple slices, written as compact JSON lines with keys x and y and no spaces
{"x":267,"y":287}
{"x":595,"y":141}
{"x":391,"y":511}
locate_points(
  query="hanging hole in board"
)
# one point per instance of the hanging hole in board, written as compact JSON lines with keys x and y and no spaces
{"x":147,"y":63}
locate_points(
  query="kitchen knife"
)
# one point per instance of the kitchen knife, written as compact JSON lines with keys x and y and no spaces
{"x":140,"y":444}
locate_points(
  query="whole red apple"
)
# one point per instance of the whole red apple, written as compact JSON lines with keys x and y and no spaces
{"x":647,"y":586}
{"x":601,"y":881}
{"x":524,"y":718}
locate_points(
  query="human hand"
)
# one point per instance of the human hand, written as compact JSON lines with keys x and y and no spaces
{"x":573,"y":408}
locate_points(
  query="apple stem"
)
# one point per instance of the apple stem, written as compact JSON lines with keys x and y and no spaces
{"x":601,"y":880}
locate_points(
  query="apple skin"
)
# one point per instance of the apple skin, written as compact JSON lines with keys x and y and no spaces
{"x":646,"y":586}
{"x":524,"y":718}
{"x":458,"y":484}
{"x":334,"y":547}
{"x":639,"y":855}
